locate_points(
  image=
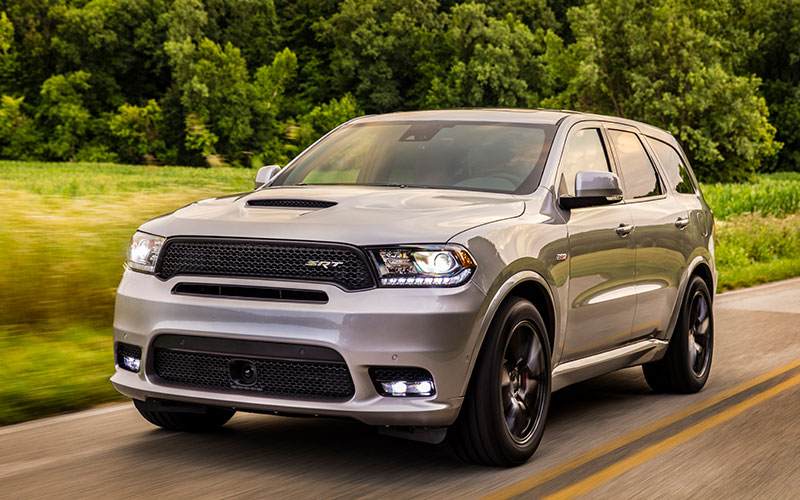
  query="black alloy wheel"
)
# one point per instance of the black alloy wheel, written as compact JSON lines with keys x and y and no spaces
{"x":522,"y":389}
{"x":503,"y":416}
{"x":686,"y":365}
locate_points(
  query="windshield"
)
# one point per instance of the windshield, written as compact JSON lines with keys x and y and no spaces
{"x":499,"y":157}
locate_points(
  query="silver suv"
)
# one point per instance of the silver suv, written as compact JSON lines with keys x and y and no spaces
{"x":437,"y":274}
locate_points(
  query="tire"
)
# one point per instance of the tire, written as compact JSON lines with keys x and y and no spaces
{"x":503,"y":416}
{"x":687,"y":363}
{"x":206,"y":420}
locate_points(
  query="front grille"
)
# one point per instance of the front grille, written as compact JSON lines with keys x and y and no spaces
{"x":291,"y":378}
{"x":273,"y":202}
{"x":130,"y":350}
{"x":343,"y":265}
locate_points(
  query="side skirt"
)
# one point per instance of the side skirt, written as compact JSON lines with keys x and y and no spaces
{"x":598,"y":364}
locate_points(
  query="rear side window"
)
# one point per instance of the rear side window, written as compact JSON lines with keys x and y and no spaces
{"x":641,"y":180}
{"x":585,"y":151}
{"x":677,"y":175}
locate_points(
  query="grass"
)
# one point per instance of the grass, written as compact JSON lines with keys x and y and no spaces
{"x":753,"y":249}
{"x":50,"y":369}
{"x":770,"y":195}
{"x":66,"y":229}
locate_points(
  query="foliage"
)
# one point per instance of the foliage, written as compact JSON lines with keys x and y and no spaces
{"x":672,"y":64}
{"x":377,"y":48}
{"x":777,"y":61}
{"x":138,"y":128}
{"x":317,"y":122}
{"x":487,"y":61}
{"x":244,"y":81}
{"x":219,"y":94}
{"x":64,"y":110}
{"x":752,"y":249}
{"x":18,"y":135}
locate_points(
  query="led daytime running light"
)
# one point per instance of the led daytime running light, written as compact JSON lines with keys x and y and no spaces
{"x":425,"y":266}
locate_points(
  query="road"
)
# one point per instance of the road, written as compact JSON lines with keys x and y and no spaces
{"x":610,"y":437}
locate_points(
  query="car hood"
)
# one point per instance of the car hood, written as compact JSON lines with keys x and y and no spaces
{"x":360,"y":215}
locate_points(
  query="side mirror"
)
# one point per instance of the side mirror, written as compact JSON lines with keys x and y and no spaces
{"x":265,"y":174}
{"x":593,"y":189}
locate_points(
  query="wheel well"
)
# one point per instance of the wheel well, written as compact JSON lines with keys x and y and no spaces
{"x":704,"y":272}
{"x":537,"y":295}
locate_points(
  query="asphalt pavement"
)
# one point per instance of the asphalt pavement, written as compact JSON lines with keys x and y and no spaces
{"x":610,"y":437}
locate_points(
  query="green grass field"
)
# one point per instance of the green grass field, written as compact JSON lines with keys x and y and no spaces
{"x":66,"y":229}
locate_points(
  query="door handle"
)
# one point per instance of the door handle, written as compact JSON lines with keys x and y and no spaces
{"x":682,"y":222}
{"x":624,"y":229}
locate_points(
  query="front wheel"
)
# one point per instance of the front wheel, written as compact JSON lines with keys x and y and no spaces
{"x":687,"y":362}
{"x":503,"y":417}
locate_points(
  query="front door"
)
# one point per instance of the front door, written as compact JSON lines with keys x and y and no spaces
{"x":602,"y":294}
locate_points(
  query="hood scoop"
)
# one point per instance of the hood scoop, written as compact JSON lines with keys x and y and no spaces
{"x":290,"y":203}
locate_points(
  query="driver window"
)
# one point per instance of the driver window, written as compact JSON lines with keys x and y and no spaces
{"x":585,"y":151}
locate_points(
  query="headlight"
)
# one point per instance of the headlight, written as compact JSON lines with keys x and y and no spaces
{"x":428,"y":266}
{"x":143,"y":252}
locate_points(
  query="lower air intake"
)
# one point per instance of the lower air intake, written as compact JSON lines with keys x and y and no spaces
{"x":289,"y":378}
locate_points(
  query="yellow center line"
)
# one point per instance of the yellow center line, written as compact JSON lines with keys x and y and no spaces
{"x":619,"y":468}
{"x":586,"y":457}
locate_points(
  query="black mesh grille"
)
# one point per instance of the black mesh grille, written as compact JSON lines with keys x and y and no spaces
{"x":282,"y":378}
{"x":123,"y":350}
{"x":390,"y":373}
{"x":338,"y":264}
{"x":291,"y":203}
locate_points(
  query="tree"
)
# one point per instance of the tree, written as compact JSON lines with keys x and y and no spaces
{"x":250,"y":25}
{"x":671,"y":63}
{"x":306,"y":129}
{"x":19,"y":137}
{"x":269,"y":87}
{"x":139,"y":128}
{"x":377,"y":47}
{"x":488,"y":61}
{"x":64,"y":114}
{"x":220,"y":94}
{"x":8,"y":57}
{"x":777,"y":62}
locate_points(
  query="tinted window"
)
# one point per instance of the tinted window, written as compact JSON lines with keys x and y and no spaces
{"x":585,"y":151}
{"x":676,"y":172}
{"x":637,"y":170}
{"x":444,"y":154}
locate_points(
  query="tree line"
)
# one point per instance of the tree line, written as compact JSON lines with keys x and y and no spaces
{"x":252,"y":82}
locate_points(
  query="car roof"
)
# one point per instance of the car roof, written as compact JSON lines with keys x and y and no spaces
{"x":532,"y":116}
{"x":483,"y":114}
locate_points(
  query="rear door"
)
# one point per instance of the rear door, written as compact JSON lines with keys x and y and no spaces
{"x":660,"y":223}
{"x":602,"y":257}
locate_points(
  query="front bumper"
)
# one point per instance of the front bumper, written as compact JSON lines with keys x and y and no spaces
{"x":430,"y":328}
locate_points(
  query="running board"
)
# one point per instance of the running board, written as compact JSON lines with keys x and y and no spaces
{"x":630,"y":355}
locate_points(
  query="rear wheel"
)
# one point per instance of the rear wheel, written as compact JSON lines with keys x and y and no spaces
{"x":203,"y":419}
{"x":687,"y":362}
{"x":503,"y":417}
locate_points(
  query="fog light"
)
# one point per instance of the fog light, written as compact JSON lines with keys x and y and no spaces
{"x":129,"y":356}
{"x":407,"y":388}
{"x":131,"y":363}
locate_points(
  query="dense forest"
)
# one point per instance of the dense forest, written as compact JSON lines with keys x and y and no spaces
{"x":252,"y":82}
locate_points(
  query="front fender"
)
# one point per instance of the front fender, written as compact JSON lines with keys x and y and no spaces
{"x":504,"y":285}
